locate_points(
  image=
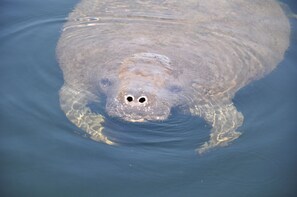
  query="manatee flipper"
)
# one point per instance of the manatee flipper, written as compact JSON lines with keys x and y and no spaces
{"x":224,"y":119}
{"x":74,"y":104}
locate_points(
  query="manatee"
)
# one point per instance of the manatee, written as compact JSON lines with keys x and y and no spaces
{"x":142,"y":58}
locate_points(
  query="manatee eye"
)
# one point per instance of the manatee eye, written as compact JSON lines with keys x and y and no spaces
{"x":105,"y":82}
{"x":175,"y":89}
{"x":129,"y":98}
{"x":142,"y":99}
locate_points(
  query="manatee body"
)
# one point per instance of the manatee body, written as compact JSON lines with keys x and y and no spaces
{"x":147,"y":56}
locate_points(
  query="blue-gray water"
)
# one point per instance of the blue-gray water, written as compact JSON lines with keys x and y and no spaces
{"x":42,"y":154}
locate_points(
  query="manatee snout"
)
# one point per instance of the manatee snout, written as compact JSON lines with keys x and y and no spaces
{"x":137,"y":106}
{"x":134,"y":101}
{"x":141,"y":93}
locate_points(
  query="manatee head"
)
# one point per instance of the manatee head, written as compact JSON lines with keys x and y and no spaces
{"x":144,"y":89}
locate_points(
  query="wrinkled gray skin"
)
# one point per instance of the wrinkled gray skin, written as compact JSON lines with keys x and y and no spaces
{"x":147,"y":56}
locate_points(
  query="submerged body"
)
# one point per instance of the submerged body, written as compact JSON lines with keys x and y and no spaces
{"x":148,"y":56}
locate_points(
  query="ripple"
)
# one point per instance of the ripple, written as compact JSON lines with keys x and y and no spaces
{"x":179,"y":132}
{"x":28,"y":25}
{"x":97,"y":21}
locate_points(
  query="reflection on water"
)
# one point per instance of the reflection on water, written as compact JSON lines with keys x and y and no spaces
{"x":42,"y":155}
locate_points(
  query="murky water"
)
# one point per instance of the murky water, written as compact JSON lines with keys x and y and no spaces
{"x":42,"y":153}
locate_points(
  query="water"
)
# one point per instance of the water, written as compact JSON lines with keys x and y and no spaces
{"x":43,"y":155}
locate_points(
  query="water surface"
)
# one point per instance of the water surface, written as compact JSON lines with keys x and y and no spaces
{"x":42,"y":153}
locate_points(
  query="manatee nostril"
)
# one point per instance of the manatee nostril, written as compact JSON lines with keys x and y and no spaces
{"x":142,"y":99}
{"x":129,"y":98}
